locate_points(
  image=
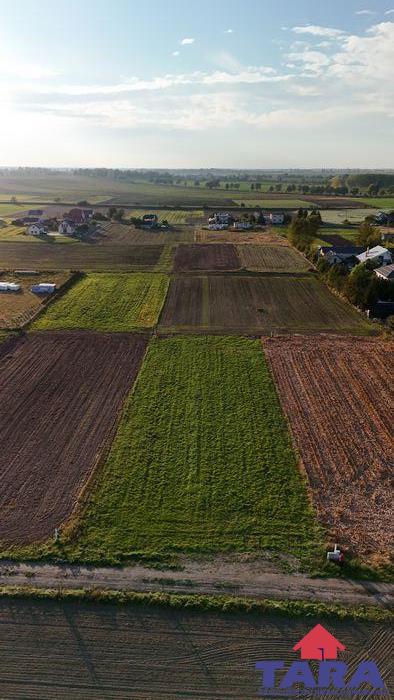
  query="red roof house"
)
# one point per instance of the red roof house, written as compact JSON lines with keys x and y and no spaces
{"x":319,"y":644}
{"x":79,"y":216}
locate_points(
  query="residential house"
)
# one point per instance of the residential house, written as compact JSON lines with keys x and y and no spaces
{"x":387,"y":237}
{"x":36,"y":230}
{"x":79,"y":216}
{"x":340,"y":255}
{"x":385,"y":273}
{"x":275,"y":218}
{"x":385,"y":218}
{"x":66,"y":227}
{"x":221,"y":217}
{"x":378,"y":255}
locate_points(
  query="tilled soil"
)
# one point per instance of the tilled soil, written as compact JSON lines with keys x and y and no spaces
{"x":339,"y":401}
{"x":60,"y":397}
{"x":206,"y":257}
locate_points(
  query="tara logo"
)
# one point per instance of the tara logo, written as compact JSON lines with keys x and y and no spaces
{"x":328,"y":675}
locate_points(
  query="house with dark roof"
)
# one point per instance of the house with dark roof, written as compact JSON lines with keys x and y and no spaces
{"x":79,"y":216}
{"x":340,"y":255}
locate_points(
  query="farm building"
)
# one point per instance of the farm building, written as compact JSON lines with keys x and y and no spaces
{"x":340,"y":255}
{"x":66,"y":227}
{"x":385,"y":218}
{"x":10,"y":287}
{"x":387,"y":237}
{"x":35,"y":212}
{"x":43,"y":288}
{"x":36,"y":230}
{"x":378,"y":254}
{"x":385,"y":273}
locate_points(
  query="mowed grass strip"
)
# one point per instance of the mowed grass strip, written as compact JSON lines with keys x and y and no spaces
{"x":108,"y":302}
{"x":202,"y":459}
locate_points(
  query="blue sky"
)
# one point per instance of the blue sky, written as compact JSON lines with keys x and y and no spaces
{"x":165,"y":83}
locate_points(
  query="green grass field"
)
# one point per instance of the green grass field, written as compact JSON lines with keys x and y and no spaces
{"x":338,"y":216}
{"x":108,"y":302}
{"x":202,"y":460}
{"x":10,"y":209}
{"x":381,"y":202}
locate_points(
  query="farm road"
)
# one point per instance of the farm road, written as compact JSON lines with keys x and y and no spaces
{"x":221,"y":575}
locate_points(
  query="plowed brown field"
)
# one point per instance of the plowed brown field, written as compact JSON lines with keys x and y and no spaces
{"x":60,"y":396}
{"x":206,"y":257}
{"x":339,"y":401}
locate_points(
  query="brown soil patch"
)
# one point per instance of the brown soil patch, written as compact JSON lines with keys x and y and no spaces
{"x":339,"y":401}
{"x":61,"y":394}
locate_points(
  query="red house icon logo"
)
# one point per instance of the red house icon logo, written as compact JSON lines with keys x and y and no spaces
{"x":319,"y":644}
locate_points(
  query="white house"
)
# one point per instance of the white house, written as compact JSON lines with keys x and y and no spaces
{"x":275,"y":217}
{"x":36,"y":230}
{"x":221,"y":217}
{"x":378,"y":254}
{"x":385,"y":273}
{"x":66,"y":227}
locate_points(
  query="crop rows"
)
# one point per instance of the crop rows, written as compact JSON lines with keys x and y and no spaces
{"x":60,"y":398}
{"x":338,"y":399}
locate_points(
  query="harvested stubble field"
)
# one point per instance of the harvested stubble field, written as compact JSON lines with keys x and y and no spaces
{"x":339,"y":402}
{"x":202,"y":460}
{"x":206,"y":257}
{"x":91,"y":651}
{"x":17,"y":308}
{"x":61,"y":394}
{"x":125,"y":234}
{"x":108,"y":302}
{"x":256,"y":305}
{"x":271,"y":258}
{"x":79,"y":256}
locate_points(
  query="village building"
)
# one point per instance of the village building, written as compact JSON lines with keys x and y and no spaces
{"x":221,"y":217}
{"x":242,"y":225}
{"x":377,"y":254}
{"x":340,"y":255}
{"x":385,"y":273}
{"x":79,"y":216}
{"x":66,"y":227}
{"x":37,"y":230}
{"x":275,"y":218}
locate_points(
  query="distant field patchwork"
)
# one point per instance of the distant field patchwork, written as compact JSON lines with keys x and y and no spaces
{"x":257,"y":305}
{"x":112,"y":232}
{"x":108,"y":302}
{"x":186,"y":472}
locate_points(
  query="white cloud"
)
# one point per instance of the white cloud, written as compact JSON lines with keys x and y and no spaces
{"x":187,"y":41}
{"x":319,"y":31}
{"x":312,"y":61}
{"x":229,"y":31}
{"x":322,"y":45}
{"x":175,"y":53}
{"x":389,"y":12}
{"x":366,"y":12}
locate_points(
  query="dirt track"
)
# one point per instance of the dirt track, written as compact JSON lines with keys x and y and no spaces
{"x":61,"y":394}
{"x":231,"y":575}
